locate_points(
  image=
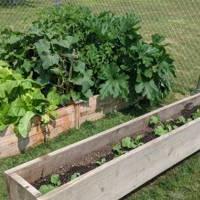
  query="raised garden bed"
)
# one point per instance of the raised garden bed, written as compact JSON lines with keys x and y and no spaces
{"x":67,"y":117}
{"x":118,"y":176}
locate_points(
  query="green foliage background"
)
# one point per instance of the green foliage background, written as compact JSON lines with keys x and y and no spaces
{"x":81,"y":54}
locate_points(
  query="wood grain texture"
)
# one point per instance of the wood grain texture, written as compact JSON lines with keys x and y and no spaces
{"x":19,"y":189}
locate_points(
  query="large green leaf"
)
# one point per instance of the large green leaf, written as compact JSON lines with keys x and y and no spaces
{"x":24,"y":125}
{"x":42,"y":46}
{"x":115,"y":83}
{"x":148,"y":90}
{"x":66,"y":43}
{"x":17,"y":108}
{"x":49,"y":60}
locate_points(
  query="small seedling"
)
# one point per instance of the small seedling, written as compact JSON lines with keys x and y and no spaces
{"x":128,"y":143}
{"x":101,"y":161}
{"x":117,"y":150}
{"x":160,"y":130}
{"x":138,"y":140}
{"x":46,"y":188}
{"x":196,"y":114}
{"x":169,"y":127}
{"x":54,"y":182}
{"x":154,"y":121}
{"x":74,"y":176}
{"x":181,"y":120}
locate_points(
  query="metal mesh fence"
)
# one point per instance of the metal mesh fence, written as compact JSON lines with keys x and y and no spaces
{"x":177,"y":20}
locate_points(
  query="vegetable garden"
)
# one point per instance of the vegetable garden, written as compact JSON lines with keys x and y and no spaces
{"x":74,"y":54}
{"x":67,"y":57}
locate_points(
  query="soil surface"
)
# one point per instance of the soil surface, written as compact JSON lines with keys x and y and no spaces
{"x":89,"y":162}
{"x":85,"y":165}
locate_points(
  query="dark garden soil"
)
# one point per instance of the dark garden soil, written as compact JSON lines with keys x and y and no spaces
{"x":85,"y":165}
{"x":89,"y":162}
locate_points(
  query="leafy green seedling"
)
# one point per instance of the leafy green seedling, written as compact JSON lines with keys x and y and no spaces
{"x":74,"y":176}
{"x":55,"y":180}
{"x":117,"y":150}
{"x":196,"y":114}
{"x":128,"y":143}
{"x":154,"y":120}
{"x":46,"y":188}
{"x":181,"y":120}
{"x":138,"y":141}
{"x":101,"y":161}
{"x":169,"y":127}
{"x":160,"y":130}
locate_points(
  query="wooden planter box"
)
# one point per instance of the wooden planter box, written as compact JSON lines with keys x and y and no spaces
{"x":68,"y":117}
{"x":120,"y":176}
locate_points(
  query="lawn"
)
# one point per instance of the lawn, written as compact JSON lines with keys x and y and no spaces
{"x":179,"y":22}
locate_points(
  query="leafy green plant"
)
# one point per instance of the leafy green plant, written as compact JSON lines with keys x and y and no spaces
{"x":181,"y":120}
{"x":101,"y":161}
{"x":21,"y":100}
{"x":74,"y":176}
{"x":196,"y":114}
{"x":54,"y":182}
{"x":80,"y":54}
{"x":46,"y":188}
{"x":117,"y":150}
{"x":160,"y":130}
{"x":127,"y":144}
{"x":154,"y":120}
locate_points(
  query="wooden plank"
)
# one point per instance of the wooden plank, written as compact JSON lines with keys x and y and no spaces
{"x":19,"y":189}
{"x":67,"y":155}
{"x":117,"y":178}
{"x":12,"y":145}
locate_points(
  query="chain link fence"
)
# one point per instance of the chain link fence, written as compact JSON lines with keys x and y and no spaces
{"x":177,"y":20}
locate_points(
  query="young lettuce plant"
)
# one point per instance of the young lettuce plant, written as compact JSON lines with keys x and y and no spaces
{"x":127,"y":144}
{"x":21,"y":100}
{"x":54,"y":183}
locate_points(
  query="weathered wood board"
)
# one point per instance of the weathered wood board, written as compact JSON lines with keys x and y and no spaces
{"x":120,"y":176}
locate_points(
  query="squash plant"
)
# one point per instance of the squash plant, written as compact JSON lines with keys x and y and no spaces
{"x":21,"y":100}
{"x":81,"y":54}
